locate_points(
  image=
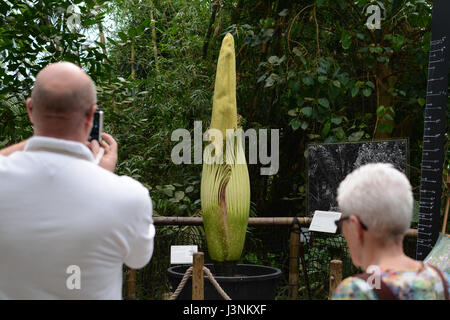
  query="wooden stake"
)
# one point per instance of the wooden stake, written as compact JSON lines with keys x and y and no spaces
{"x":293,"y":263}
{"x":131,"y":284}
{"x":198,"y":292}
{"x":335,"y":275}
{"x":444,"y":223}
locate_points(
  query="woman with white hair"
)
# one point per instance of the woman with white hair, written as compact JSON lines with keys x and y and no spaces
{"x":376,"y":202}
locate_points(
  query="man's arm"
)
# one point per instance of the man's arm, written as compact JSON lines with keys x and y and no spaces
{"x":141,"y":243}
{"x":11,"y":149}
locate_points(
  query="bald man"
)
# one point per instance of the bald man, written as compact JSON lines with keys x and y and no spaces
{"x":67,"y":222}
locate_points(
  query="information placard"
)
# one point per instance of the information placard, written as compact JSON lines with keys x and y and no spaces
{"x":324,"y":221}
{"x":182,"y":254}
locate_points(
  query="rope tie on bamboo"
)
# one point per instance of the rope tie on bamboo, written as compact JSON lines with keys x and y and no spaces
{"x":210,"y":277}
{"x":296,"y":227}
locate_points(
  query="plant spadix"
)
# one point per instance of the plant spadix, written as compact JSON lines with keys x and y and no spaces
{"x":225,"y":186}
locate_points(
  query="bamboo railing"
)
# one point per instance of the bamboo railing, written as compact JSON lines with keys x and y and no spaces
{"x":294,"y":254}
{"x":268,"y":221}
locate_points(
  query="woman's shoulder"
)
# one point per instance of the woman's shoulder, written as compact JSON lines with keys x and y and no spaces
{"x":354,"y":288}
{"x":405,"y":284}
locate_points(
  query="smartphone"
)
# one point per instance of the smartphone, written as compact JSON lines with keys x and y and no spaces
{"x":97,"y":128}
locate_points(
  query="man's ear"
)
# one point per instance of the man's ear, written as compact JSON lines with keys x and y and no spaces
{"x":30,"y":109}
{"x":90,"y":116}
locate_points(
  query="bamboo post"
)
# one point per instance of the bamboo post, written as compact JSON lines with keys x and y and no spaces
{"x":335,"y":275}
{"x":293,"y":262}
{"x":131,"y":284}
{"x":198,"y":292}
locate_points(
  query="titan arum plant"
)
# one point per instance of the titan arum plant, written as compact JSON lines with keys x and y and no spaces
{"x":225,"y":185}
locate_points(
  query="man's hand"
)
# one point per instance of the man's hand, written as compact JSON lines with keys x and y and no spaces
{"x":15,"y":147}
{"x":109,"y":159}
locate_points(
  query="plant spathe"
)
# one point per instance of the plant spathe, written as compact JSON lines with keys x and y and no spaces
{"x":225,"y":186}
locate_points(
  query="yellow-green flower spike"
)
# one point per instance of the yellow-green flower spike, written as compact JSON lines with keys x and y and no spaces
{"x":225,"y":187}
{"x":224,"y":113}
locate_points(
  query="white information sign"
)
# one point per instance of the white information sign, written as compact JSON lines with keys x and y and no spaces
{"x":304,"y":235}
{"x":323,"y":221}
{"x":182,"y":254}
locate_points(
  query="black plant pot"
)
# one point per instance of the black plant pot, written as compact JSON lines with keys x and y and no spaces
{"x":251,"y":282}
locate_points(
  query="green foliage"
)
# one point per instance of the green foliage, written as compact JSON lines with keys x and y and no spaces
{"x":309,"y":68}
{"x":32,"y":35}
{"x":144,"y":108}
{"x":177,"y":199}
{"x":314,"y":71}
{"x":319,"y":73}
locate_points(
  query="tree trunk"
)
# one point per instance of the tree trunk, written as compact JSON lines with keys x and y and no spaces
{"x":155,"y":48}
{"x":384,"y":98}
{"x":133,"y":70}
{"x":214,"y":7}
{"x":102,"y":36}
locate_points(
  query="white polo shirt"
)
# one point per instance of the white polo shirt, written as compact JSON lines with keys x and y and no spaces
{"x":67,"y":226}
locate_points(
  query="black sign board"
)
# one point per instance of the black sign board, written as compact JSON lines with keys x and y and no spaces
{"x":434,"y":130}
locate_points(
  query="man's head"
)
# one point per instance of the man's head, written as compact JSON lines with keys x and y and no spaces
{"x":63,"y":102}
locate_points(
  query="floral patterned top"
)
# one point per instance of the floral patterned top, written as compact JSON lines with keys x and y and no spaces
{"x":422,"y":284}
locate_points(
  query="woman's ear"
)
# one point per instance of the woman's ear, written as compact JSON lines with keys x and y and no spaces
{"x":356,"y":225}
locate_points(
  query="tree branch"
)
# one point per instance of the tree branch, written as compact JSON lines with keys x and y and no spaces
{"x":214,"y":7}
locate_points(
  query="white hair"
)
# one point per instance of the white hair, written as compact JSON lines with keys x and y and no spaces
{"x":380,"y":196}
